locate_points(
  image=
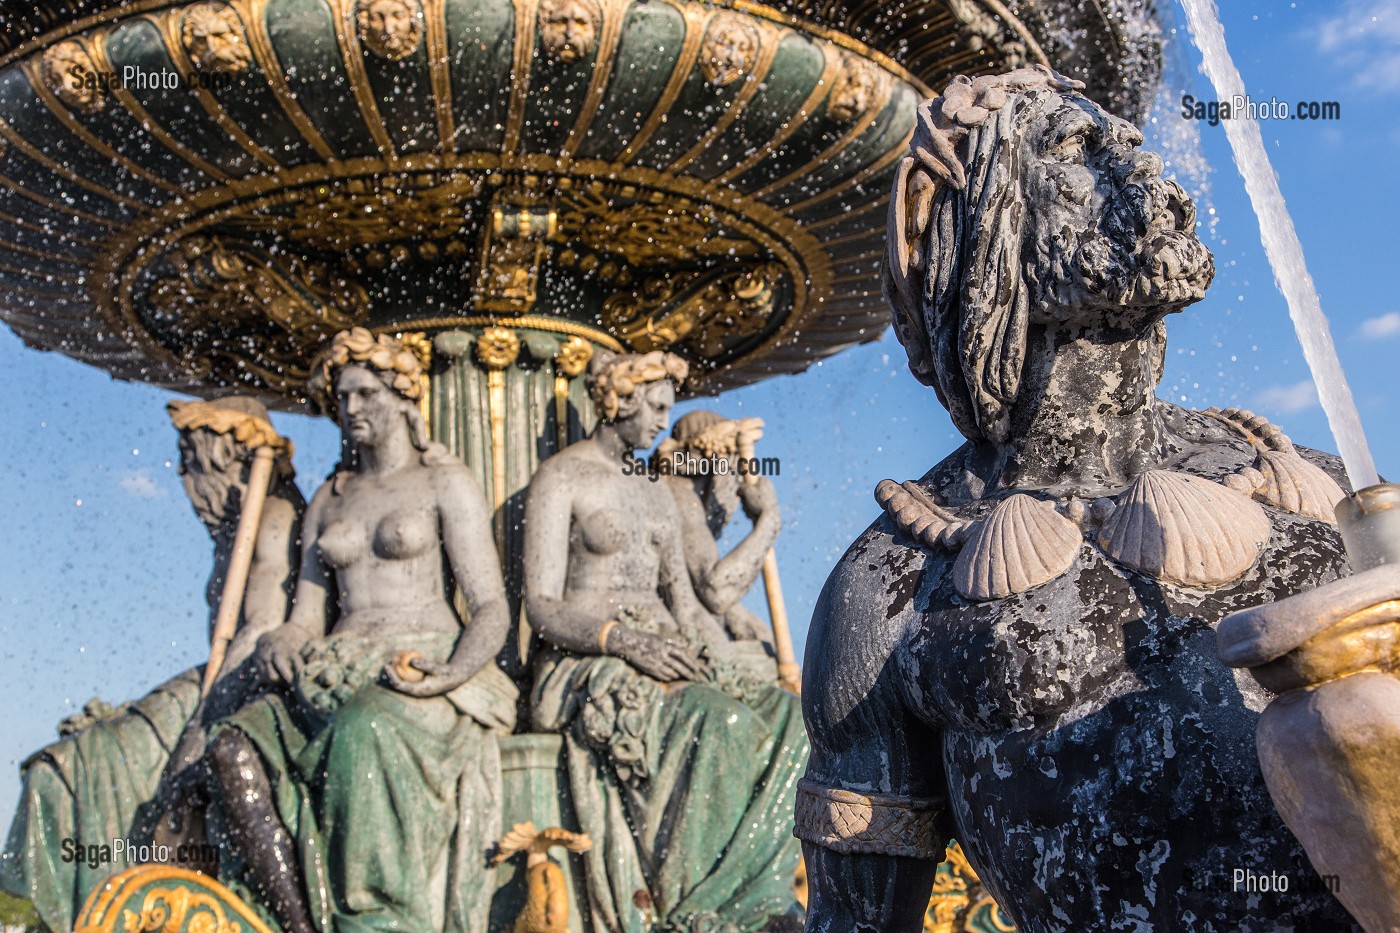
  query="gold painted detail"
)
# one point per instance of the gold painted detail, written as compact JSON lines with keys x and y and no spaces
{"x":546,"y":907}
{"x":511,"y":254}
{"x":383,"y":209}
{"x":214,"y":37}
{"x":701,"y":312}
{"x":729,"y":50}
{"x":391,"y":29}
{"x":248,"y":429}
{"x":867,"y":824}
{"x":651,"y":231}
{"x":858,"y":89}
{"x":70,"y":73}
{"x":572,"y":357}
{"x":548,"y":325}
{"x":960,"y":904}
{"x":569,"y":28}
{"x":570,"y":361}
{"x":168,"y":900}
{"x":497,"y":347}
{"x":218,"y":296}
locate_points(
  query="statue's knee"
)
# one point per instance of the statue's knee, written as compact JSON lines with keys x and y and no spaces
{"x":230,"y":755}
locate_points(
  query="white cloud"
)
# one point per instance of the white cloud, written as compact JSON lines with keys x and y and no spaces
{"x":1288,"y":399}
{"x":1363,"y":37}
{"x":1387,"y":325}
{"x":141,"y":484}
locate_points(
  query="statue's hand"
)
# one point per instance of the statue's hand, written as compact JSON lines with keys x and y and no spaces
{"x":664,"y":659}
{"x":410,"y":673}
{"x":279,"y":654}
{"x":758,"y":496}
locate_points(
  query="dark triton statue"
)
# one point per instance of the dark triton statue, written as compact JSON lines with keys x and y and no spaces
{"x":1020,"y":653}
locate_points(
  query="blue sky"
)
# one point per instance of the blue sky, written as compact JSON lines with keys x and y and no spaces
{"x":102,"y":577}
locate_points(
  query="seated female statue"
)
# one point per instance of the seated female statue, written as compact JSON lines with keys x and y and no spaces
{"x":682,"y":753}
{"x":362,"y":791}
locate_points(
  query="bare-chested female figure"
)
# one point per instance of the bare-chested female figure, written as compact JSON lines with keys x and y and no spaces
{"x":341,"y":787}
{"x":682,"y":757}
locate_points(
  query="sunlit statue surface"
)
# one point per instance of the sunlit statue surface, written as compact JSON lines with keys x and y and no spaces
{"x":1020,"y":653}
{"x":119,"y":770}
{"x":363,"y":790}
{"x":700,"y":463}
{"x":682,"y":754}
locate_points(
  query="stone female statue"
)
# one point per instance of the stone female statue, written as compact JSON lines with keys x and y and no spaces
{"x":681,"y":755}
{"x":113,"y":774}
{"x":706,"y":501}
{"x":1020,"y":653}
{"x":361,"y":792}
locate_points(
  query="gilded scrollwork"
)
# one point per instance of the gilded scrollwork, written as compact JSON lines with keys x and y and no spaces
{"x":391,"y":29}
{"x":70,"y":73}
{"x":645,"y":232}
{"x":215,"y":39}
{"x":384,"y":209}
{"x":511,"y":257}
{"x":702,"y":312}
{"x":165,"y":899}
{"x":959,"y":903}
{"x":569,"y":28}
{"x":730,"y":49}
{"x":217,"y":298}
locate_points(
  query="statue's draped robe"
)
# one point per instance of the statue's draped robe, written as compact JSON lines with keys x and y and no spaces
{"x":686,"y":792}
{"x":92,"y":787}
{"x":394,"y":802}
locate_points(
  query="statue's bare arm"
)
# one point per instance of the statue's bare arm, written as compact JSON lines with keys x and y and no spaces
{"x":701,"y":551}
{"x":870,"y":754}
{"x":722,"y":581}
{"x":465,"y":521}
{"x":679,"y":589}
{"x":549,"y":506}
{"x":312,"y":605}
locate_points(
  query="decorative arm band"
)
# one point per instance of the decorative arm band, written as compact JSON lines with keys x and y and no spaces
{"x":868,"y":824}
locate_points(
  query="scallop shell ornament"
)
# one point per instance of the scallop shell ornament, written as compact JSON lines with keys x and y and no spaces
{"x":1184,"y":530}
{"x":1295,"y":485}
{"x":1023,"y":543}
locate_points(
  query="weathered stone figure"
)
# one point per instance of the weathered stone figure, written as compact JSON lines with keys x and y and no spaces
{"x":682,"y":754}
{"x":1021,"y":652}
{"x":706,"y":501}
{"x":105,"y":779}
{"x":363,"y":791}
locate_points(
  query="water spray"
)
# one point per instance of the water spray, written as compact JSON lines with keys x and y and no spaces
{"x":1370,"y":517}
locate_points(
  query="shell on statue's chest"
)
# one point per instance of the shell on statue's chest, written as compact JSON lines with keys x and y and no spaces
{"x":400,"y":534}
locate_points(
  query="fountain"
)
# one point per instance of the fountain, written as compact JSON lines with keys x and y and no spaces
{"x":1021,"y":650}
{"x":199,"y":195}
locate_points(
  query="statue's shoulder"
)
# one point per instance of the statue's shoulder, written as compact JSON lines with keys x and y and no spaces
{"x":869,"y":607}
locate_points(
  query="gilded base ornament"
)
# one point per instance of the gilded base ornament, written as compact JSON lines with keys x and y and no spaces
{"x":547,"y":901}
{"x":151,"y":898}
{"x":960,"y":904}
